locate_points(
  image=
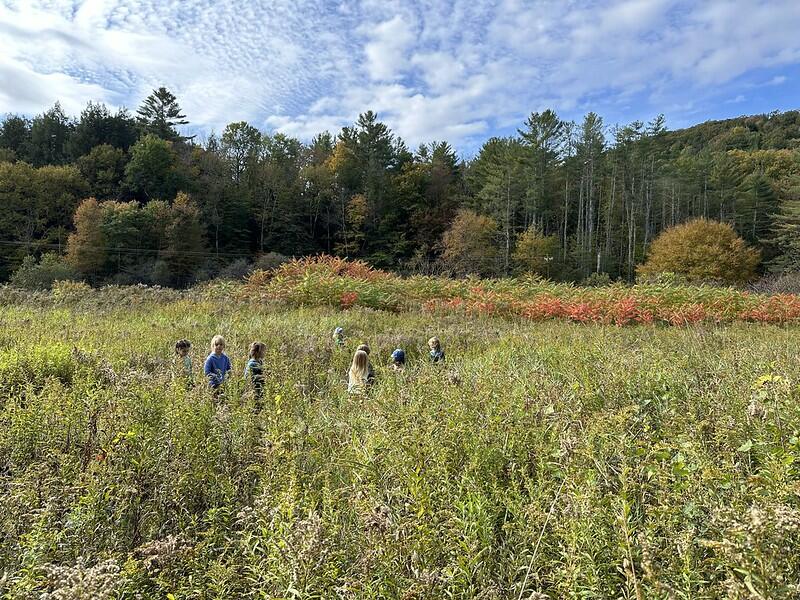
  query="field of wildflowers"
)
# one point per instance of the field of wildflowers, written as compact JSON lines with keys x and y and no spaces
{"x":543,"y":459}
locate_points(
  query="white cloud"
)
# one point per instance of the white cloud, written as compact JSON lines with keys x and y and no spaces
{"x":460,"y":70}
{"x":386,"y":49}
{"x":24,"y":90}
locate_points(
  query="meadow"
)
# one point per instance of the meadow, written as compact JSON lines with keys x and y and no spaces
{"x":547,"y":458}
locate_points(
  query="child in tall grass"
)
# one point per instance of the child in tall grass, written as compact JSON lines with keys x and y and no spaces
{"x":338,"y":337}
{"x":436,"y":352}
{"x":217,"y":364}
{"x":398,"y":362}
{"x":254,"y":370}
{"x":370,"y":372}
{"x":358,"y":376}
{"x":183,"y":349}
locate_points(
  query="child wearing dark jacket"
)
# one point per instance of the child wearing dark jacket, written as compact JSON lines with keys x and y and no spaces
{"x":436,"y":352}
{"x":254,"y":370}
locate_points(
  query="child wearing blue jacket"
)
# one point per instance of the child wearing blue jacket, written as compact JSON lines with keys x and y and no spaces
{"x":217,"y":364}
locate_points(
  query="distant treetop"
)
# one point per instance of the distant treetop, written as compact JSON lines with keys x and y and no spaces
{"x":160,"y":114}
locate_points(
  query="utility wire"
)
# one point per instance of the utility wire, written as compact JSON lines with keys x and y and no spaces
{"x":118,"y":250}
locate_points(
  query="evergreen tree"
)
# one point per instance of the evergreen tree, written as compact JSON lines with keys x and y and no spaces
{"x":277,"y":205}
{"x":18,"y":218}
{"x":498,"y":178}
{"x":317,"y":183}
{"x":49,"y":134}
{"x":97,"y":126}
{"x":786,"y":238}
{"x":784,"y":242}
{"x":15,"y":136}
{"x":160,"y":114}
{"x":543,"y":138}
{"x":223,"y":205}
{"x":589,"y":155}
{"x":755,"y":210}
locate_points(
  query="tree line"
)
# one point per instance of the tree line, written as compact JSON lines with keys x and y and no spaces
{"x":126,"y":197}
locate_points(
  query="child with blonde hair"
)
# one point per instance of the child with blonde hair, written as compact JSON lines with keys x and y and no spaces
{"x":358,"y":375}
{"x":217,"y":364}
{"x":254,"y":369}
{"x":370,"y":372}
{"x":436,"y":352}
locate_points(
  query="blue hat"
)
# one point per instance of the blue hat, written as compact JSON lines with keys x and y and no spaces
{"x":399,"y":356}
{"x":338,"y":330}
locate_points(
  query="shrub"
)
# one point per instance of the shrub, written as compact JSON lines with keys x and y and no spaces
{"x":13,"y":296}
{"x":663,"y":279}
{"x":597,"y":280}
{"x":36,"y":364}
{"x":41,"y":276}
{"x":160,"y":273}
{"x":470,"y":244}
{"x":269,"y":261}
{"x":330,"y":281}
{"x":238,"y":269}
{"x":786,"y":283}
{"x":535,"y":251}
{"x":702,"y":251}
{"x":65,"y":292}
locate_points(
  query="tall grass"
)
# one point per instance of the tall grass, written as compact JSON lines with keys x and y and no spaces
{"x":542,"y":460}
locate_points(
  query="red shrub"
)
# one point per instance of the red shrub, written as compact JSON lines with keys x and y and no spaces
{"x":319,"y":280}
{"x":628,"y":311}
{"x":585,"y":312}
{"x":348,"y":299}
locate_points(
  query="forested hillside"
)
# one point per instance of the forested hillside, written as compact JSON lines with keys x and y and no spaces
{"x":125,"y":197}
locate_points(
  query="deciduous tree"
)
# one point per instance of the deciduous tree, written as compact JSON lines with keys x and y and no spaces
{"x":701,"y":251}
{"x":470,"y":244}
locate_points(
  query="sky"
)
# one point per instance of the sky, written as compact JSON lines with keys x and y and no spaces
{"x":458,"y":70}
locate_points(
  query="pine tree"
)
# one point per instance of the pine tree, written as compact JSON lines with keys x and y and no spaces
{"x":785,"y":238}
{"x":544,"y":138}
{"x":755,"y":210}
{"x":97,"y":126}
{"x":160,"y":114}
{"x":497,"y":176}
{"x":49,"y":134}
{"x":15,"y":136}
